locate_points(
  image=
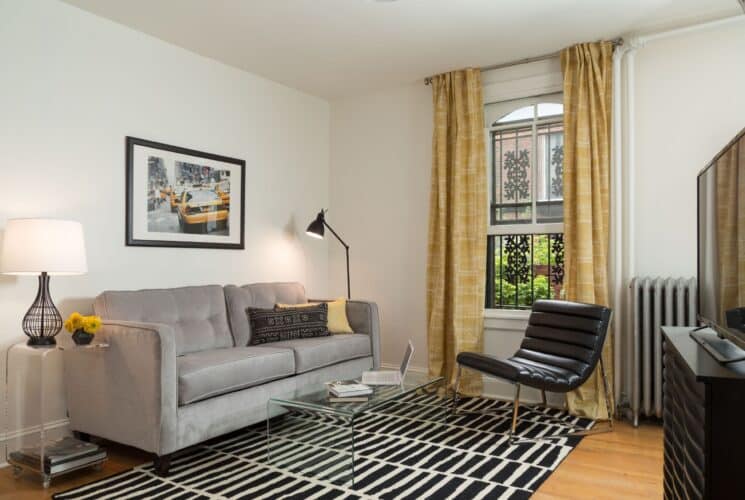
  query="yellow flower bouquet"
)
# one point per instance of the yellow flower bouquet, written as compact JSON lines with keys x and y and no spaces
{"x":83,"y":328}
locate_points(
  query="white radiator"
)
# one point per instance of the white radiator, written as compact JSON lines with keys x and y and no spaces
{"x":655,"y":302}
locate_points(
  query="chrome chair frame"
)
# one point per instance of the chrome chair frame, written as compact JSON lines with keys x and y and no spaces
{"x":514,"y":438}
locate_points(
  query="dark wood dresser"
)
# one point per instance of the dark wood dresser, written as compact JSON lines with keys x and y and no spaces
{"x":704,"y":421}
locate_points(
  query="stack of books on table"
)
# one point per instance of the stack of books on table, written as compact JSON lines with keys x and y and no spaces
{"x":348,"y":391}
{"x":59,"y":456}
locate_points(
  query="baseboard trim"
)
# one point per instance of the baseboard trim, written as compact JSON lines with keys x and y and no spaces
{"x":34,"y":429}
{"x":54,"y":424}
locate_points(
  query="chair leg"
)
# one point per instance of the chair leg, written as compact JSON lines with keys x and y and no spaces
{"x":585,"y":432}
{"x":575,"y":431}
{"x":515,"y":409}
{"x":456,"y":387}
{"x":607,"y":394}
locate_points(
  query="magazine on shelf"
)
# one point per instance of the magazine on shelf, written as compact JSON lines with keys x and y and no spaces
{"x":61,"y":455}
{"x":61,"y":450}
{"x":19,"y":458}
{"x":348,"y":388}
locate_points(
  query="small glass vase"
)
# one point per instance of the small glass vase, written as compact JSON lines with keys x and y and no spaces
{"x":81,"y":337}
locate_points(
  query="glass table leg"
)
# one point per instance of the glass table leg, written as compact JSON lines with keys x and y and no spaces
{"x":351,"y":437}
{"x":269,"y":433}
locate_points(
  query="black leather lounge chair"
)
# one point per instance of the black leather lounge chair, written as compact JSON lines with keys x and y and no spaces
{"x":561,"y":348}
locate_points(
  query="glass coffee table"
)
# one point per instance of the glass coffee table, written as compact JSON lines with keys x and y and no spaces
{"x":316,"y":437}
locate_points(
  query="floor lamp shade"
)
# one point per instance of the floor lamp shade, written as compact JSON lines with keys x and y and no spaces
{"x":316,"y":229}
{"x":43,"y":247}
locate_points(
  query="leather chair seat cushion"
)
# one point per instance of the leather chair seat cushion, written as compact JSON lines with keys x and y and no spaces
{"x":206,"y":374}
{"x":314,"y":353}
{"x":522,"y":370}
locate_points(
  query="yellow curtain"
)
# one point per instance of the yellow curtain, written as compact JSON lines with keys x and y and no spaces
{"x":456,"y":263}
{"x":587,"y":70}
{"x":731,"y":228}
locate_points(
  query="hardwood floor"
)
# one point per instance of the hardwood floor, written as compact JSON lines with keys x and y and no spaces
{"x":626,"y":463}
{"x":28,"y":486}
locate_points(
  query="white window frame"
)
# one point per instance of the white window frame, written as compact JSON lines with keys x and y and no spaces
{"x":521,"y":85}
{"x":533,"y":227}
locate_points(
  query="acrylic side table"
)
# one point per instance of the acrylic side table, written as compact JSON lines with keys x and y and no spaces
{"x":41,"y":468}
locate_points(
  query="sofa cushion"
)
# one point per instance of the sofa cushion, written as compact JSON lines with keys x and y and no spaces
{"x":274,"y":325}
{"x":311,"y":354}
{"x":197,"y":314}
{"x":206,"y":374}
{"x":258,"y":295}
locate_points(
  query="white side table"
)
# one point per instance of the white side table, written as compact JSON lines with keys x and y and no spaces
{"x":43,"y":353}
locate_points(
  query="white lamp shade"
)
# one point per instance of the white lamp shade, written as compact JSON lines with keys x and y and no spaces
{"x":33,"y":246}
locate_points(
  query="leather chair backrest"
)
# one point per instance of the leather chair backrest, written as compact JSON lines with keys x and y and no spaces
{"x":568,"y":335}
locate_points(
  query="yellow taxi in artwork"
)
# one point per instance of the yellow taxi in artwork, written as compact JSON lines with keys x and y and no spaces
{"x":201,"y":210}
{"x":223,"y":190}
{"x":176,"y":197}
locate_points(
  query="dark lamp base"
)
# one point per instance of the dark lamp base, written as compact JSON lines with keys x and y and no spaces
{"x":42,"y":320}
{"x":41,"y":342}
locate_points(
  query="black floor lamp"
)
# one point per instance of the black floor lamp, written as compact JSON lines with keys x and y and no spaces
{"x":316,"y":230}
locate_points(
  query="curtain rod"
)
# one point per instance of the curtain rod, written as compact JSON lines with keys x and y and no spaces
{"x":616,"y":42}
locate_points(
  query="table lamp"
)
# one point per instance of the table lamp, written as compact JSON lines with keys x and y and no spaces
{"x":42,"y":247}
{"x":316,"y":230}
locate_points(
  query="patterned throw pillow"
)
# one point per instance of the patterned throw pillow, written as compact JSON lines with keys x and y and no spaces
{"x":273,"y":325}
{"x":338,"y":321}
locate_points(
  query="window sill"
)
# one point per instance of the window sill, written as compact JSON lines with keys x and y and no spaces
{"x":518,"y":314}
{"x":509,"y":321}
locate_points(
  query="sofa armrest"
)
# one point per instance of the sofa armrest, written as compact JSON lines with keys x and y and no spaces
{"x":127,"y":393}
{"x":364,"y":318}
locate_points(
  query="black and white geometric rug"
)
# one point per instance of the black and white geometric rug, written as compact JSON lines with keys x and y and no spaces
{"x":412,"y":448}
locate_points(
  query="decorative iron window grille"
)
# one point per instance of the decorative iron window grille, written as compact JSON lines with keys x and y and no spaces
{"x":514,"y":195}
{"x":522,"y":268}
{"x":525,"y":243}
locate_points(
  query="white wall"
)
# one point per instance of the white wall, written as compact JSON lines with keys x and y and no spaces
{"x":689,"y":104}
{"x":74,"y":85}
{"x":379,"y":203}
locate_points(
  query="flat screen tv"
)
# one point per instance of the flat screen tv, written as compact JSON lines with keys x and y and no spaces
{"x":721,"y":241}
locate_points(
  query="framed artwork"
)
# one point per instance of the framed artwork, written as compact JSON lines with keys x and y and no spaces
{"x":178,"y":197}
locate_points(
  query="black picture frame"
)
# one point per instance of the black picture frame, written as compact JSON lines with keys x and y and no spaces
{"x":130,"y":240}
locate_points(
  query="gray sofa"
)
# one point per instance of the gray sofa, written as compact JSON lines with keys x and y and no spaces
{"x":180,"y":368}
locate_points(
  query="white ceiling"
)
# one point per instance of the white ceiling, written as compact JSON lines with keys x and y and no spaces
{"x":337,"y":48}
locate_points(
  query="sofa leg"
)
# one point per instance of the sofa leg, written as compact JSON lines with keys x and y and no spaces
{"x":162,"y":464}
{"x":83,"y":436}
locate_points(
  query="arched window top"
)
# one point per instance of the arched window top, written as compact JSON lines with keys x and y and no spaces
{"x":531,"y":112}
